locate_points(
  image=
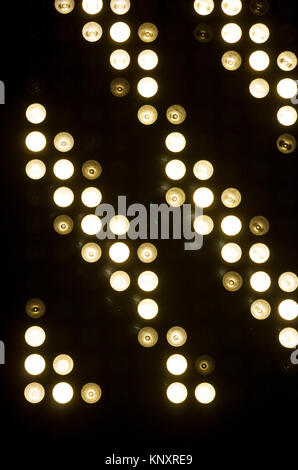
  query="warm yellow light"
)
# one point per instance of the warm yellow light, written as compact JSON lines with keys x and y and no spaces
{"x":175,"y":169}
{"x":147,"y":114}
{"x":120,"y":31}
{"x":259,"y":253}
{"x":175,"y":197}
{"x":203,"y":170}
{"x":92,"y":6}
{"x":63,"y":224}
{"x":259,"y":33}
{"x":177,"y":392}
{"x":231,"y":33}
{"x":147,"y":87}
{"x":203,"y":225}
{"x":91,"y":252}
{"x":147,"y":337}
{"x":288,"y":309}
{"x":91,"y":197}
{"x":62,"y":393}
{"x":35,"y":169}
{"x":231,"y":225}
{"x":176,"y":336}
{"x":175,"y":142}
{"x":176,"y":114}
{"x":231,"y":197}
{"x":204,"y":7}
{"x":232,"y":281}
{"x":120,"y":281}
{"x":63,"y":197}
{"x":35,"y":364}
{"x":147,"y":252}
{"x":91,"y":393}
{"x":205,"y":365}
{"x":120,"y":59}
{"x":36,"y":113}
{"x":63,"y":169}
{"x":260,"y":281}
{"x":147,"y":309}
{"x":287,"y":115}
{"x":119,"y":87}
{"x":231,"y":7}
{"x":91,"y":169}
{"x":287,"y":61}
{"x":259,"y":88}
{"x":148,"y":59}
{"x":36,"y":141}
{"x":177,"y":364}
{"x":92,"y":31}
{"x":260,"y":309}
{"x":148,"y":281}
{"x":259,"y":225}
{"x":64,"y":6}
{"x":259,"y":60}
{"x":231,"y":60}
{"x":63,"y":364}
{"x":35,"y":308}
{"x":148,"y":32}
{"x":288,"y":282}
{"x":34,"y":393}
{"x":231,"y":252}
{"x":120,"y":7}
{"x":91,"y":224}
{"x":119,"y":252}
{"x":205,"y":393}
{"x":119,"y":224}
{"x":288,"y":337}
{"x":287,"y":88}
{"x":203,"y":197}
{"x":35,"y":336}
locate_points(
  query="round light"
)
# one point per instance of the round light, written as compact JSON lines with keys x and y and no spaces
{"x":177,"y":392}
{"x":259,"y":225}
{"x":147,"y":114}
{"x":62,"y":393}
{"x":148,"y":281}
{"x":287,"y":115}
{"x":231,"y":252}
{"x":120,"y":7}
{"x":35,"y":308}
{"x":204,"y":7}
{"x":175,"y":197}
{"x":63,"y":169}
{"x":260,"y":281}
{"x":286,"y":143}
{"x":35,"y":336}
{"x":287,"y":88}
{"x":259,"y":33}
{"x":203,"y":170}
{"x":203,"y":197}
{"x":205,"y":393}
{"x":175,"y":142}
{"x":63,"y":364}
{"x":34,"y":393}
{"x":35,"y":169}
{"x":176,"y":114}
{"x":119,"y":252}
{"x":64,"y":6}
{"x":287,"y":61}
{"x":232,"y":281}
{"x":147,"y":252}
{"x":259,"y":88}
{"x":147,"y":337}
{"x":119,"y":87}
{"x":259,"y":253}
{"x":259,"y":60}
{"x":119,"y":224}
{"x":35,"y":364}
{"x":288,"y":282}
{"x":63,"y":197}
{"x":177,"y":364}
{"x":36,"y":113}
{"x":91,"y":224}
{"x":147,"y":32}
{"x":260,"y":309}
{"x":231,"y":7}
{"x":92,"y":31}
{"x":288,"y":309}
{"x":92,"y":6}
{"x":288,"y":337}
{"x":120,"y":31}
{"x":63,"y":142}
{"x":203,"y":225}
{"x":120,"y":59}
{"x":147,"y":87}
{"x":63,"y":224}
{"x":175,"y":169}
{"x":176,"y":336}
{"x":231,"y":60}
{"x":91,"y":393}
{"x":231,"y":225}
{"x":91,"y":252}
{"x":147,"y":59}
{"x":147,"y":309}
{"x":91,"y":169}
{"x":231,"y":33}
{"x":91,"y":197}
{"x":231,"y":197}
{"x":205,"y":365}
{"x":120,"y":281}
{"x":36,"y":141}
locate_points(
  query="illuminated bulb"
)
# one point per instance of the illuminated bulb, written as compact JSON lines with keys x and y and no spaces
{"x":35,"y":364}
{"x":34,"y":393}
{"x":177,"y":392}
{"x":203,"y":170}
{"x":119,"y":224}
{"x":231,"y":197}
{"x":91,"y":393}
{"x":35,"y":308}
{"x":175,"y":197}
{"x":63,"y":224}
{"x":62,"y":393}
{"x":287,"y":115}
{"x":120,"y":59}
{"x":91,"y":224}
{"x":231,"y":33}
{"x":288,"y":309}
{"x":91,"y":169}
{"x":175,"y":169}
{"x":231,"y":252}
{"x":203,"y":197}
{"x":203,"y":225}
{"x":176,"y":336}
{"x":120,"y":31}
{"x":287,"y":61}
{"x":120,"y":281}
{"x":260,"y":309}
{"x":36,"y":113}
{"x":259,"y":33}
{"x":63,"y":142}
{"x":205,"y":393}
{"x":205,"y":365}
{"x":147,"y":309}
{"x":91,"y":197}
{"x":259,"y":88}
{"x":148,"y":32}
{"x":147,"y":252}
{"x":232,"y":281}
{"x":63,"y":169}
{"x":92,"y":6}
{"x":91,"y":252}
{"x":231,"y":225}
{"x":147,"y":337}
{"x":36,"y":141}
{"x":231,"y":60}
{"x":176,"y":114}
{"x":63,"y":197}
{"x":286,"y":143}
{"x":63,"y":364}
{"x":147,"y":59}
{"x":288,"y":282}
{"x":175,"y":142}
{"x":259,"y":253}
{"x":287,"y":88}
{"x":120,"y":7}
{"x":147,"y":87}
{"x":64,"y":6}
{"x":204,"y":7}
{"x":92,"y":31}
{"x":259,"y":60}
{"x":35,"y":336}
{"x":147,"y":114}
{"x":231,"y":7}
{"x":35,"y":169}
{"x":119,"y":252}
{"x":148,"y":281}
{"x":288,"y":337}
{"x":259,"y":225}
{"x":119,"y":87}
{"x":177,"y":364}
{"x":260,"y":281}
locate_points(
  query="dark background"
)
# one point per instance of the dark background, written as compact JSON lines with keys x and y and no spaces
{"x":45,"y":59}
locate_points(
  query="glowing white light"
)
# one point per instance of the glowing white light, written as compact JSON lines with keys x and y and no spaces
{"x":147,"y":114}
{"x":203,"y":170}
{"x":63,"y":142}
{"x":147,"y":252}
{"x":176,"y":336}
{"x":205,"y":393}
{"x":231,"y":252}
{"x":288,"y":309}
{"x":231,"y":225}
{"x":175,"y":197}
{"x":36,"y":141}
{"x":92,"y":31}
{"x":259,"y":253}
{"x":36,"y":113}
{"x":259,"y":88}
{"x":91,"y":197}
{"x":35,"y":364}
{"x":64,"y":6}
{"x":63,"y":169}
{"x":288,"y":282}
{"x":34,"y":393}
{"x":287,"y":88}
{"x":91,"y":393}
{"x":120,"y":59}
{"x":259,"y":60}
{"x":63,"y":197}
{"x":119,"y":224}
{"x":231,"y":60}
{"x":203,"y":225}
{"x":175,"y":142}
{"x":147,"y":87}
{"x":62,"y":393}
{"x":231,"y":33}
{"x":35,"y":169}
{"x":119,"y":252}
{"x":35,"y":336}
{"x":260,"y":281}
{"x":120,"y":31}
{"x":175,"y":169}
{"x":63,"y":364}
{"x":147,"y":59}
{"x":259,"y":33}
{"x":176,"y":364}
{"x":260,"y":309}
{"x":287,"y":61}
{"x":147,"y":309}
{"x":177,"y":392}
{"x":288,"y":337}
{"x":203,"y":197}
{"x":91,"y":224}
{"x":120,"y":281}
{"x":148,"y":281}
{"x":287,"y":115}
{"x":231,"y":7}
{"x":120,"y":7}
{"x":204,"y":7}
{"x":91,"y":252}
{"x":92,"y":6}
